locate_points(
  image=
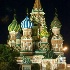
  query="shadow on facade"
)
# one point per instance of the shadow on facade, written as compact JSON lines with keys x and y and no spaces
{"x":35,"y":66}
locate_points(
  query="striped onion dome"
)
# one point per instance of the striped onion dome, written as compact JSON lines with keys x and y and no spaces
{"x":14,"y":26}
{"x":26,"y":23}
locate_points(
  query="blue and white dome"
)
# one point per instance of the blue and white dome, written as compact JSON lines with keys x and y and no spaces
{"x":26,"y":23}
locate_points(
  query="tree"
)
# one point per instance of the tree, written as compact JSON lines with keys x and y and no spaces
{"x":7,"y":58}
{"x":4,"y":65}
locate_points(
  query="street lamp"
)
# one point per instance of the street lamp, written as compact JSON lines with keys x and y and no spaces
{"x":65,"y":49}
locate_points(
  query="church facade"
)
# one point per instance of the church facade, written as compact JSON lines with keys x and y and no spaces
{"x":36,"y":45}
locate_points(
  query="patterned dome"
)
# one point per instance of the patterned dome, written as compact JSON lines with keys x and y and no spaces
{"x":56,"y":22}
{"x":26,"y":23}
{"x":14,"y":26}
{"x":44,"y":33}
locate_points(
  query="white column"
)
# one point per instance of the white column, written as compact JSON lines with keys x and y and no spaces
{"x":56,"y":45}
{"x":61,"y":45}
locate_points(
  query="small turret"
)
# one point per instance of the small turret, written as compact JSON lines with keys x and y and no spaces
{"x":13,"y":29}
{"x":57,"y":39}
{"x":56,"y":24}
{"x":26,"y":39}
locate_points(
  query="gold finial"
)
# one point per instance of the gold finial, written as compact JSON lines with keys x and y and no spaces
{"x":37,"y":4}
{"x":27,"y":11}
{"x":56,"y":12}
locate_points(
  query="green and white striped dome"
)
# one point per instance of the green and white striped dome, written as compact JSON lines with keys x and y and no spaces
{"x":14,"y":26}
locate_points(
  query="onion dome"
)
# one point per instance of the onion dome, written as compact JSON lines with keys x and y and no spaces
{"x":56,"y":22}
{"x":14,"y":26}
{"x":44,"y":33}
{"x":18,"y":35}
{"x":26,"y":23}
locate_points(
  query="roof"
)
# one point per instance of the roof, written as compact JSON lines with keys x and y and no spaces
{"x":37,"y":4}
{"x":14,"y":26}
{"x":56,"y":22}
{"x":26,"y":23}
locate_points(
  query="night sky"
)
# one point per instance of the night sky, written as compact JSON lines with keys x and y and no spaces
{"x":63,"y":7}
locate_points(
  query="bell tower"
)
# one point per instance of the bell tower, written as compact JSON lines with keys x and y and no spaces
{"x":40,"y":33}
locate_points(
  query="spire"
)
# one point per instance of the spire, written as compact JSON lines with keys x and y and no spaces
{"x":56,"y":22}
{"x":14,"y":26}
{"x":14,"y":14}
{"x":37,"y":4}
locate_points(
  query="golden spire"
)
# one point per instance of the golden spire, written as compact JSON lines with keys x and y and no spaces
{"x":37,"y":4}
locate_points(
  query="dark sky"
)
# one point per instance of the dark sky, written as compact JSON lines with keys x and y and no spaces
{"x":63,"y":6}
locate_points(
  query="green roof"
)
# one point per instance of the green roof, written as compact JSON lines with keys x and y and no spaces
{"x":56,"y":22}
{"x":14,"y":26}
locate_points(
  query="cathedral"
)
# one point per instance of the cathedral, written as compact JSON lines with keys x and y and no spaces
{"x":38,"y":48}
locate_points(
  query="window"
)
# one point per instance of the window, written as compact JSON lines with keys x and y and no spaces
{"x":26,"y":68}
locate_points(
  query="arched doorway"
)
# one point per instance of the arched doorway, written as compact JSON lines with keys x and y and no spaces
{"x":35,"y":66}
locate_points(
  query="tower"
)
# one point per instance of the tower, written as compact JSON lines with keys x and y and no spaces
{"x":26,"y":39}
{"x":43,"y":44}
{"x":57,"y":39}
{"x":13,"y":29}
{"x":37,"y":17}
{"x":40,"y":33}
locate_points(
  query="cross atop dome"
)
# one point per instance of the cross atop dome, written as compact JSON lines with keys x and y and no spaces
{"x":37,"y":4}
{"x":56,"y":12}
